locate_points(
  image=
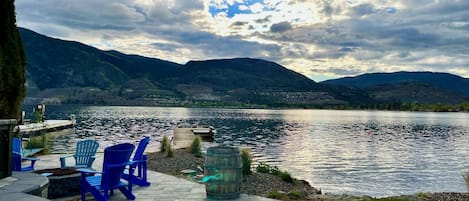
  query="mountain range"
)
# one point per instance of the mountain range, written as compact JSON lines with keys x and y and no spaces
{"x":60,"y":71}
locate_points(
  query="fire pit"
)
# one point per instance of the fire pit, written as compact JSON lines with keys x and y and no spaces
{"x":62,"y":182}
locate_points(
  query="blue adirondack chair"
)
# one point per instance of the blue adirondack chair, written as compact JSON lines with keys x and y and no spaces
{"x":17,"y":155}
{"x":116,"y":158}
{"x":139,"y":162}
{"x":85,"y":154}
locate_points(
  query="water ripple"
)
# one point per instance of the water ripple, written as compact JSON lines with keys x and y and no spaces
{"x":357,"y":152}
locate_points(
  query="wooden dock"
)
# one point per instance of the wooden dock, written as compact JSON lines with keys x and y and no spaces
{"x":31,"y":129}
{"x":183,"y":138}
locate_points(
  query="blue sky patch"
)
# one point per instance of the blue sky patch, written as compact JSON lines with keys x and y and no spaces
{"x":232,"y":10}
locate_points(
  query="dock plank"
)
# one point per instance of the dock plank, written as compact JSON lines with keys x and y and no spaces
{"x":183,"y":138}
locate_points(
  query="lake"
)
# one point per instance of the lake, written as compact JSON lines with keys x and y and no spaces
{"x":376,"y":153}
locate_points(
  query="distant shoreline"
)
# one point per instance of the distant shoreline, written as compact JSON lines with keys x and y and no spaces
{"x":463,"y":107}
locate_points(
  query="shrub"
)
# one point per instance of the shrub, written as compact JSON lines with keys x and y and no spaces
{"x":385,"y":199}
{"x":294,"y":195}
{"x":164,"y":144}
{"x":275,"y":171}
{"x":169,"y":150}
{"x":12,"y":64}
{"x":196,"y":146}
{"x":277,"y":195}
{"x":246,"y":160}
{"x":263,"y":168}
{"x":286,"y":177}
{"x":36,"y":142}
{"x":420,"y":195}
{"x":39,"y":142}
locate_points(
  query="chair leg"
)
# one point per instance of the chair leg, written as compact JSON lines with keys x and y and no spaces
{"x":145,"y":172}
{"x":83,"y":191}
{"x":128,"y":193}
{"x":62,"y":163}
{"x":106,"y":194}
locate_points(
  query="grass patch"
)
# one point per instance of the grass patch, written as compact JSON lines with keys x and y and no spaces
{"x":196,"y":146}
{"x":277,"y":195}
{"x":274,"y":170}
{"x":164,"y":143}
{"x":246,"y":160}
{"x":263,"y":168}
{"x":169,"y":150}
{"x":385,"y":199}
{"x":39,"y":142}
{"x":294,"y":195}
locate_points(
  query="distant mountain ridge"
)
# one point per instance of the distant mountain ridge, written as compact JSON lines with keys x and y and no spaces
{"x":61,"y":71}
{"x":420,"y":87}
{"x":71,"y":72}
{"x":446,"y":81}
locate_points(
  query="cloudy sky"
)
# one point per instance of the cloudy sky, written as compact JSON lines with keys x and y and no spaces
{"x":322,"y":39}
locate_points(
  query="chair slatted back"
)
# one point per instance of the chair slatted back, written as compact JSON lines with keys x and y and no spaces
{"x":86,"y":149}
{"x":16,"y":154}
{"x":142,"y":145}
{"x":115,"y":160}
{"x":17,"y":145}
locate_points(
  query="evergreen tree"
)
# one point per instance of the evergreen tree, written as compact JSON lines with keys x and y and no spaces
{"x":12,"y":62}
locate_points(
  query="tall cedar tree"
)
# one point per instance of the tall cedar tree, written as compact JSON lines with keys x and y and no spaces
{"x":12,"y":62}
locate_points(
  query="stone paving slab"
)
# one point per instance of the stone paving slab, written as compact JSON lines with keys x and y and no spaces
{"x":15,"y":188}
{"x":163,"y":187}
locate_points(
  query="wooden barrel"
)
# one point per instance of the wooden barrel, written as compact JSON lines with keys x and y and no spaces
{"x":223,"y":168}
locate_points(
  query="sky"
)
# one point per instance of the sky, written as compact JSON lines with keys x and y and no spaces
{"x":322,"y":39}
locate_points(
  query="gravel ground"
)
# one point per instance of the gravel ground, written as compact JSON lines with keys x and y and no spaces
{"x":256,"y":184}
{"x":262,"y":184}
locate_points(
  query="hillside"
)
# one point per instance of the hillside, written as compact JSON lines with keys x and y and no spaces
{"x":444,"y":81}
{"x":64,"y":72}
{"x":409,"y":92}
{"x":61,"y":71}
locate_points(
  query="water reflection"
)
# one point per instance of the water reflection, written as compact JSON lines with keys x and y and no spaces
{"x":357,"y":152}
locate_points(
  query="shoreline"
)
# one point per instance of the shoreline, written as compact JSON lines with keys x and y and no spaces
{"x":261,"y":184}
{"x":255,"y":108}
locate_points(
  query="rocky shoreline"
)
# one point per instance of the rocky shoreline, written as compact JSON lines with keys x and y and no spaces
{"x":263,"y":184}
{"x":254,"y":184}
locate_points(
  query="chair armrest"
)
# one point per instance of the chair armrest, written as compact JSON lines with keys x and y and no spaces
{"x":119,"y":165}
{"x":137,"y":161}
{"x":62,"y":160}
{"x":66,"y":156}
{"x":31,"y":159}
{"x":88,"y":171}
{"x":144,"y":159}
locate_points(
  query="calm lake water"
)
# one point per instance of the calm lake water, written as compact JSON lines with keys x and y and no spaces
{"x":372,"y":153}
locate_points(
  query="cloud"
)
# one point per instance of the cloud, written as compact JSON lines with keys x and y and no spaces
{"x":363,"y":9}
{"x":239,"y":23}
{"x":280,"y":27}
{"x":332,"y":37}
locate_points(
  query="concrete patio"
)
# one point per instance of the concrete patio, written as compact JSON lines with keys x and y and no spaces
{"x":163,"y":187}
